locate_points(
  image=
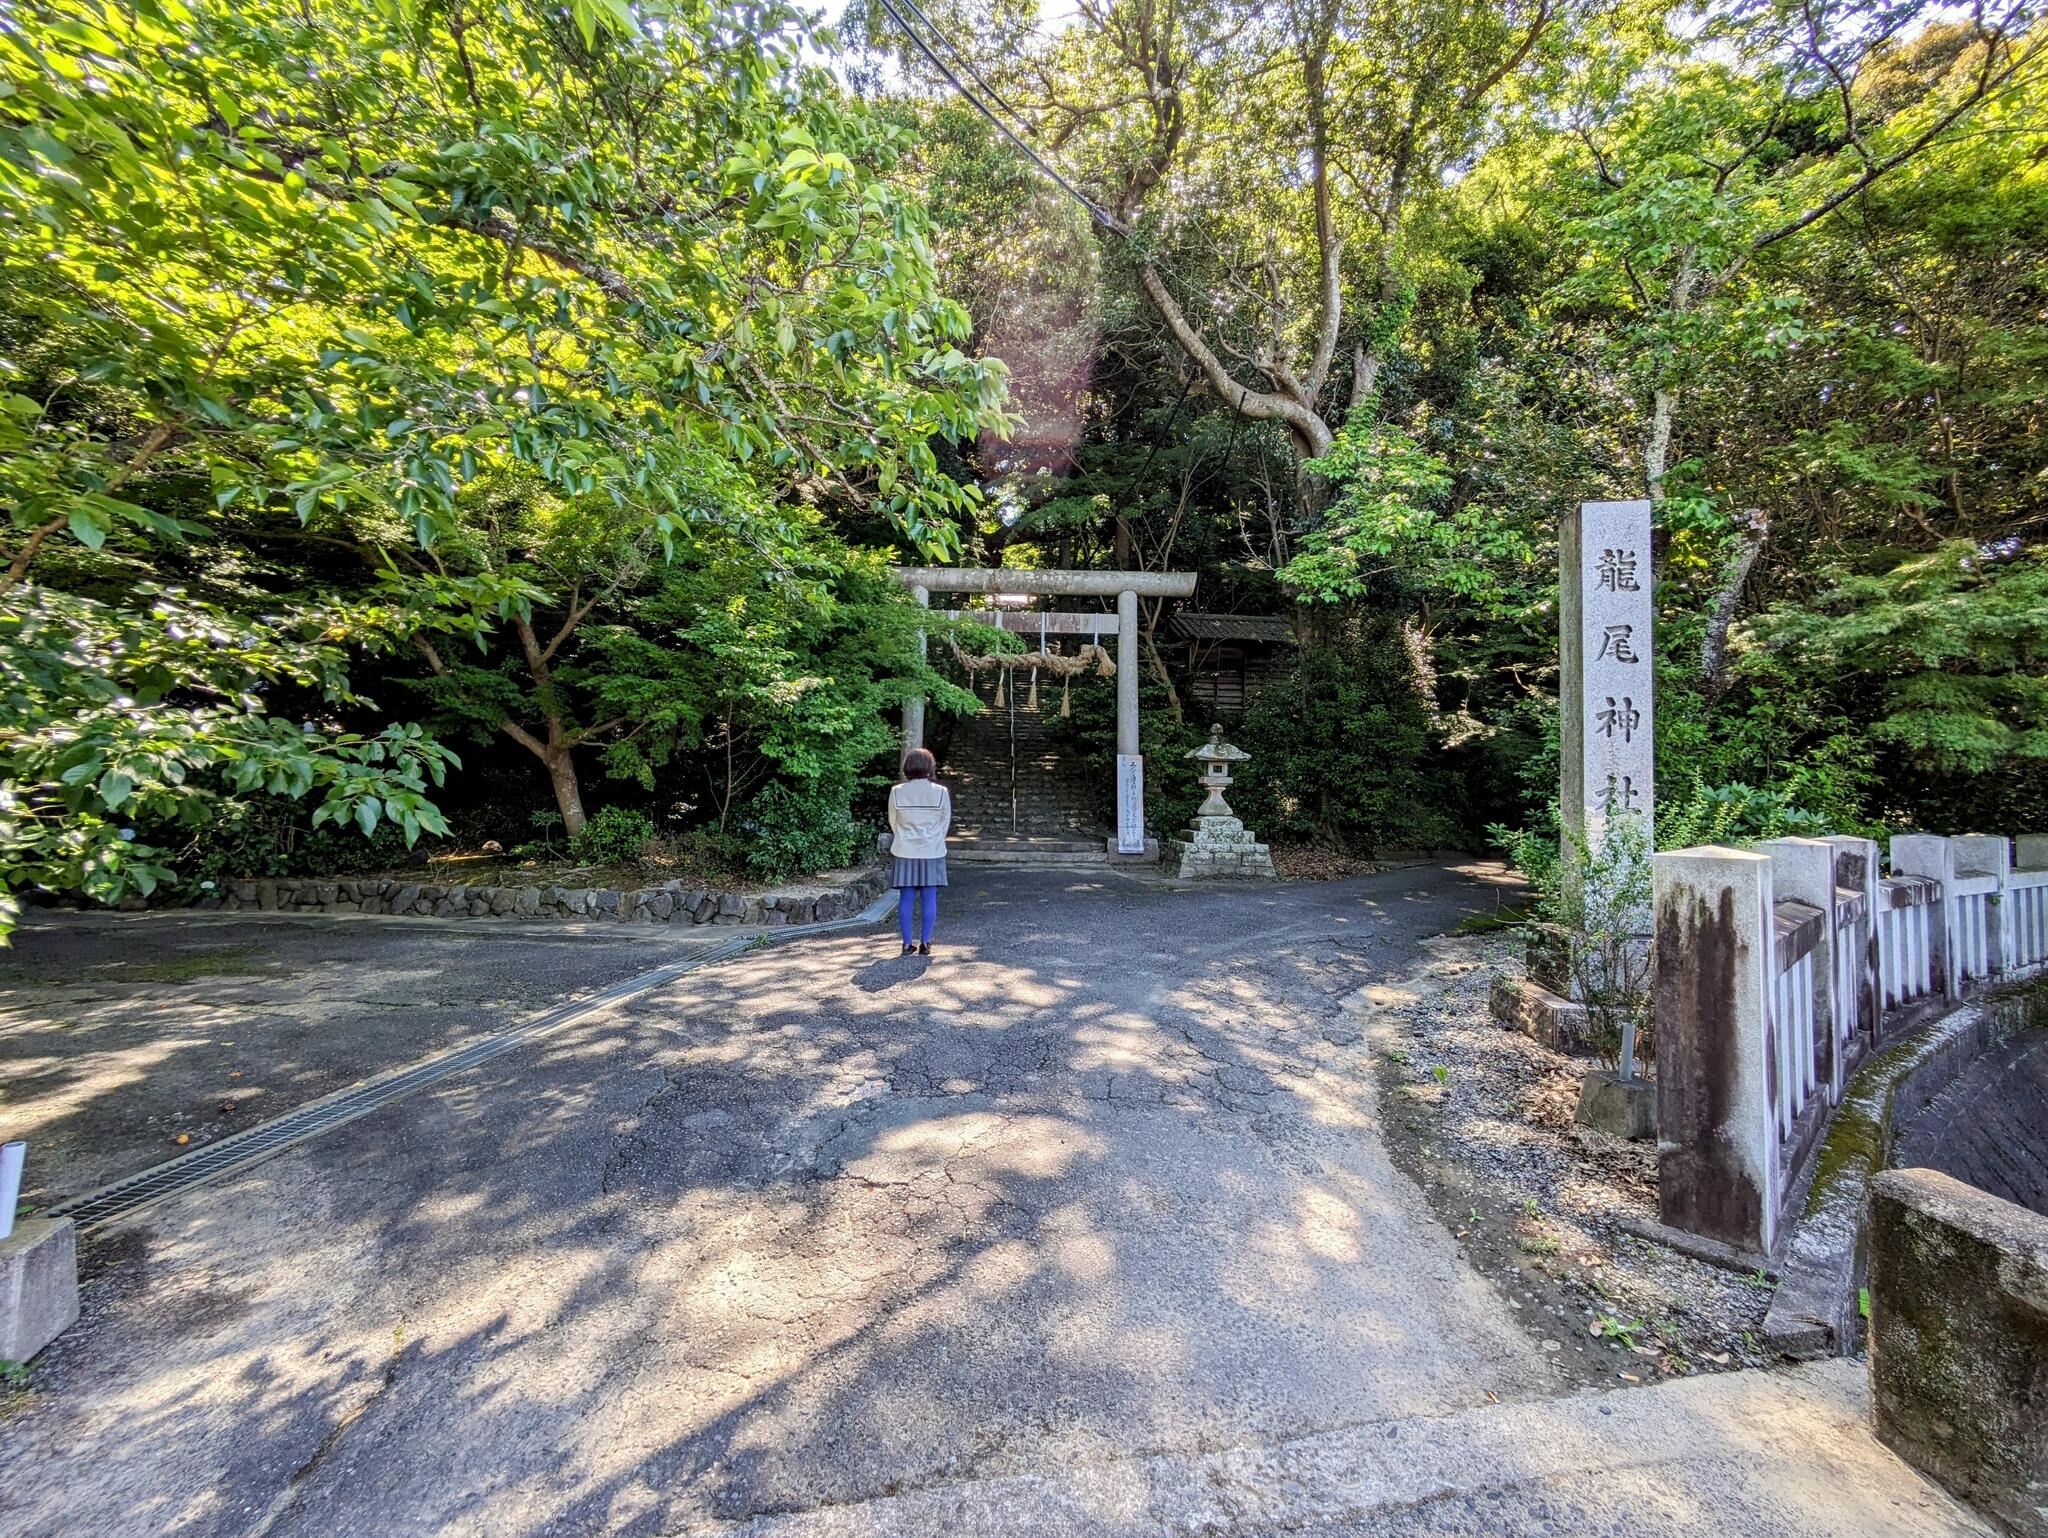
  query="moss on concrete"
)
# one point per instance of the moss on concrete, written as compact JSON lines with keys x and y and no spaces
{"x":190,"y":966}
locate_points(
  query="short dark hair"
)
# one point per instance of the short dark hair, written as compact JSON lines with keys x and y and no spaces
{"x":918,"y":764}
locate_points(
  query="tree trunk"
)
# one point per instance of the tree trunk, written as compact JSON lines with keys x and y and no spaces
{"x":1663,"y":397}
{"x":1657,"y":451}
{"x":561,"y":764}
{"x":1714,"y":648}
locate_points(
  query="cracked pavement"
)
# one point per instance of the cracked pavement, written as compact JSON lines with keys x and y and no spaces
{"x":813,"y":1230}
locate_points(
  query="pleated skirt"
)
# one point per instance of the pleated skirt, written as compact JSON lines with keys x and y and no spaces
{"x":913,"y":873}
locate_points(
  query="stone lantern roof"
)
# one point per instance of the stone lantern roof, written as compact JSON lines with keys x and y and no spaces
{"x":1216,"y":750}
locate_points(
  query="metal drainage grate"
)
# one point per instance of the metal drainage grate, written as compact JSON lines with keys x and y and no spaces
{"x":241,"y":1149}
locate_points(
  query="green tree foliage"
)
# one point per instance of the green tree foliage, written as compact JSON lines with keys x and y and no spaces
{"x":1343,"y":749}
{"x":1780,"y":268}
{"x":450,"y":324}
{"x":1951,"y":647}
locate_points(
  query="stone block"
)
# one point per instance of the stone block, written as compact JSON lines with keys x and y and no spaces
{"x":705,"y":911}
{"x":775,"y":918}
{"x":1541,"y":1015}
{"x":1547,"y":957}
{"x":404,"y":895}
{"x":754,"y":911}
{"x":829,"y":907}
{"x":661,"y":904}
{"x":1624,"y":1108}
{"x":245,"y":891}
{"x":267,"y":896}
{"x":38,"y":1285}
{"x":606,"y":903}
{"x":731,"y":905}
{"x":1959,"y":1341}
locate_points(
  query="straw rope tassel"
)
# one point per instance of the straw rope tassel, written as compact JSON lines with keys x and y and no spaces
{"x":1001,"y":674}
{"x":1066,"y":685}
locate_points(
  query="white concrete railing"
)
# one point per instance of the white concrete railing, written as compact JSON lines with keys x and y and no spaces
{"x":1795,"y":1054}
{"x":1780,"y":968}
{"x":2026,"y":911}
{"x":1905,"y":947}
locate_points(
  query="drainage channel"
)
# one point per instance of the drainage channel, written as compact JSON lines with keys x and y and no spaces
{"x":253,"y":1145}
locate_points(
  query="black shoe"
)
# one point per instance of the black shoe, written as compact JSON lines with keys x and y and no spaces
{"x":908,"y":947}
{"x":925,"y":949}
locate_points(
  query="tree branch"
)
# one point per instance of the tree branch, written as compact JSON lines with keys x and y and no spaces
{"x":1257,"y":404}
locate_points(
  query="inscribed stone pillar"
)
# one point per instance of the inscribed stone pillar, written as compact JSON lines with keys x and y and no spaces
{"x":913,"y":708}
{"x":1604,"y":691}
{"x":1130,"y":763}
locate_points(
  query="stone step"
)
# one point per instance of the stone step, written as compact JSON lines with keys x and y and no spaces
{"x":1028,"y":851}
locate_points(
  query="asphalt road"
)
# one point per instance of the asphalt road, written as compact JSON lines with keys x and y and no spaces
{"x":121,"y":1034}
{"x":826,"y":1240}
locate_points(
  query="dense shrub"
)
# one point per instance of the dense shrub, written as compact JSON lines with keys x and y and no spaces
{"x":1341,"y":750}
{"x":792,"y":829}
{"x":252,"y":839}
{"x":616,"y":835}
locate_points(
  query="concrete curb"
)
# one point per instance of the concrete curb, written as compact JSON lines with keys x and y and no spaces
{"x":1822,"y":1263}
{"x":670,"y":903}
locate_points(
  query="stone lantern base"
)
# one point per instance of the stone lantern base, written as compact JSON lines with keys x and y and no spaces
{"x":1222,"y":846}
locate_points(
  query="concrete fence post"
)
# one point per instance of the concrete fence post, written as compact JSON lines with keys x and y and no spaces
{"x":1857,"y":869}
{"x":1803,"y":870}
{"x":1989,"y":854}
{"x":1718,"y":1162}
{"x":1933,"y":856}
{"x":2026,"y":918}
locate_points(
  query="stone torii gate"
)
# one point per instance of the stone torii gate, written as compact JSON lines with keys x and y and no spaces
{"x":1127,"y":587}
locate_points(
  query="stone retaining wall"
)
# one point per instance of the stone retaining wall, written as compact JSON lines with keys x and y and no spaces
{"x":672,"y":902}
{"x":1958,"y":1348}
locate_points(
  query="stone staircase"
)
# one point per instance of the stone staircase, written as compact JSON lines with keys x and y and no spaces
{"x":1017,"y":800}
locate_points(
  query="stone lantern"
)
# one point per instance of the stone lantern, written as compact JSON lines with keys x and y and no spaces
{"x":1219,"y":844}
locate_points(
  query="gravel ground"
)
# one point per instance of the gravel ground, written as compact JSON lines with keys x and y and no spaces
{"x":1482,"y":1119}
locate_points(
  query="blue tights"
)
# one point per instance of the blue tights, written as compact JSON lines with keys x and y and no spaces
{"x":907,"y":908}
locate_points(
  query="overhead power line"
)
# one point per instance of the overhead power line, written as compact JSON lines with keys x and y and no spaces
{"x":967,"y":63}
{"x":1096,"y":211}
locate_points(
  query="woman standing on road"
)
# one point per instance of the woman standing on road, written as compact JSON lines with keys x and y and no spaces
{"x":920,"y":812}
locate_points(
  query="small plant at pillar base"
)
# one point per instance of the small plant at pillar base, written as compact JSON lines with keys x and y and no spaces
{"x":1598,"y":905}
